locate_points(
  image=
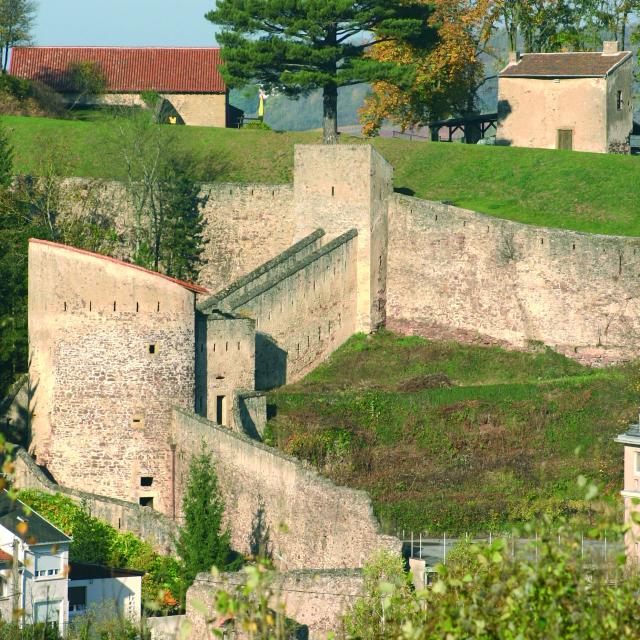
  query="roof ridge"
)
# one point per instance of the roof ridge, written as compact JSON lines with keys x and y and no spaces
{"x":187,"y":285}
{"x":95,"y":46}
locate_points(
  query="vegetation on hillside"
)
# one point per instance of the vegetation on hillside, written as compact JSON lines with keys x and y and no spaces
{"x":561,"y":189}
{"x":451,"y":438}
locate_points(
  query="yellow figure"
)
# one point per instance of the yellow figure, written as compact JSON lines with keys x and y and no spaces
{"x":263,"y":95}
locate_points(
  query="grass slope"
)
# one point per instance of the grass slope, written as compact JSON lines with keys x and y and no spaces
{"x":581,"y":191}
{"x":457,"y":438}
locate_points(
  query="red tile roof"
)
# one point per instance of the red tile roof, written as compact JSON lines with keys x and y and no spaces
{"x":171,"y":70}
{"x":564,"y":65}
{"x":187,"y":285}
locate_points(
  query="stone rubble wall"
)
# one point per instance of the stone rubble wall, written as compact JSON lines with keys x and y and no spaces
{"x":317,"y":599}
{"x":458,"y":274}
{"x":310,"y":521}
{"x":149,"y":525}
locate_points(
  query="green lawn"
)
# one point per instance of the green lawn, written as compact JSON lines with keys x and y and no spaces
{"x":582,"y":191}
{"x":455,"y":438}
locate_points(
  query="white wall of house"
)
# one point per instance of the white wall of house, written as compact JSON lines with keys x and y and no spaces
{"x":125,"y":594}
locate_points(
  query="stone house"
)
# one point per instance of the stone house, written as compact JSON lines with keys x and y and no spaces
{"x":187,"y":78}
{"x":579,"y":100}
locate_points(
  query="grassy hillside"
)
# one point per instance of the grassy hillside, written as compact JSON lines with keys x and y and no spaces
{"x":457,"y":438}
{"x":582,"y":191}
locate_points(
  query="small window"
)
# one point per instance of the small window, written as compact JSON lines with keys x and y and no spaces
{"x":637,"y":461}
{"x":146,"y":481}
{"x":619,"y":101}
{"x":137,"y":422}
{"x":152,"y":349}
{"x":146,"y":501}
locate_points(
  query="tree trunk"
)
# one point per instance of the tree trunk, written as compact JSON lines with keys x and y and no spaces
{"x":330,"y":115}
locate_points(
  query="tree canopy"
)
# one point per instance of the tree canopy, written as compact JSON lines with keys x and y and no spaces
{"x":16,"y":21}
{"x":296,"y":47}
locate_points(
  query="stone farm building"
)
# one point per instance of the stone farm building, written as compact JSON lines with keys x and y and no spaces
{"x":188,"y":78}
{"x":580,"y":101}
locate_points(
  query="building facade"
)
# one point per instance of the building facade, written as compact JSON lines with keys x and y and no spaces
{"x":187,"y":78}
{"x":580,"y":101}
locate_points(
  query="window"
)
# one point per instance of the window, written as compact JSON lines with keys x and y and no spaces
{"x":637,"y":461}
{"x":146,"y":501}
{"x":47,"y":566}
{"x":47,"y":611}
{"x":146,"y":481}
{"x":152,"y":349}
{"x":221,"y":410}
{"x":619,"y":101}
{"x":77,"y":599}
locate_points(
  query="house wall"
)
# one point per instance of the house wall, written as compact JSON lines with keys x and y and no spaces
{"x":457,"y":274}
{"x":310,"y":521}
{"x":93,"y":376}
{"x":340,"y":187}
{"x":531,"y":110}
{"x":620,"y":123}
{"x":123,"y":595}
{"x":198,"y":110}
{"x":316,"y":599}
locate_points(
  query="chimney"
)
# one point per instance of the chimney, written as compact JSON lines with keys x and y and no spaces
{"x":514,"y":57}
{"x":610,"y":48}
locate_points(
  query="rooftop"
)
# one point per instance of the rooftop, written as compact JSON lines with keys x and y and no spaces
{"x":565,"y":65}
{"x":85,"y":571}
{"x":187,"y":285}
{"x":26,"y":524}
{"x":127,"y":69}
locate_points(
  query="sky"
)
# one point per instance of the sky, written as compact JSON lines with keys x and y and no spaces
{"x":124,"y":23}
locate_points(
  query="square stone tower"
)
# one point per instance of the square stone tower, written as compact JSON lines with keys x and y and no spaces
{"x":337,"y":188}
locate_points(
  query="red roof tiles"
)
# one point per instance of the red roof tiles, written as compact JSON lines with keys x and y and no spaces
{"x":187,"y":285}
{"x":564,"y":65}
{"x":128,"y":70}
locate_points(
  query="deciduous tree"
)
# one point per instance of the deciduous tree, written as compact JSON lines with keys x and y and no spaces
{"x":87,"y":80}
{"x":16,"y":21}
{"x":448,"y":71}
{"x":295,"y":47}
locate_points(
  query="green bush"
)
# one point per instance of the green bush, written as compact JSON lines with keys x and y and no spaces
{"x":260,"y":125}
{"x":151,"y":98}
{"x":546,"y":592}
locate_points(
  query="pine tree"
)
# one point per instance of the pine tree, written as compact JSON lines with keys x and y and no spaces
{"x":296,"y":47}
{"x":203,"y":541}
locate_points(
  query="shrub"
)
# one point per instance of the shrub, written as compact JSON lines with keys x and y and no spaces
{"x":150,"y":98}
{"x":257,"y":124}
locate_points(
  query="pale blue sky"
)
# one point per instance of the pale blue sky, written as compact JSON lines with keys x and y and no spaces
{"x":124,"y":23}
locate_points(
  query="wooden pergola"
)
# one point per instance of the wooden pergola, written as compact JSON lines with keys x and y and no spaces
{"x":473,"y":128}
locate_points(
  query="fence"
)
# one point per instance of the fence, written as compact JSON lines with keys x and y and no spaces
{"x":434,"y":550}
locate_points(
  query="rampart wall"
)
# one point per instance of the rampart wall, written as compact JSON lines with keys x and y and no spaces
{"x":302,"y":313}
{"x":459,"y":274}
{"x":340,"y":187}
{"x":315,"y":599}
{"x":308,"y":521}
{"x":149,"y":525}
{"x":112,"y":349}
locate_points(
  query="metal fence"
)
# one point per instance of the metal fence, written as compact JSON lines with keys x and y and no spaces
{"x":598,"y":551}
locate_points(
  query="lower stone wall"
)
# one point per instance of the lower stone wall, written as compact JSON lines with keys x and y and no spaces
{"x":458,"y":274}
{"x":149,"y":525}
{"x":316,"y":599}
{"x":15,"y":416}
{"x":307,"y":520}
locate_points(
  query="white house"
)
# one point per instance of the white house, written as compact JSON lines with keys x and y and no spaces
{"x":92,"y":586}
{"x":44,"y":584}
{"x":39,"y":584}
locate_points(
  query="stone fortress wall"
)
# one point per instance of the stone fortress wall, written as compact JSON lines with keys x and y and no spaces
{"x":111,"y":350}
{"x":459,"y":274}
{"x":307,"y":520}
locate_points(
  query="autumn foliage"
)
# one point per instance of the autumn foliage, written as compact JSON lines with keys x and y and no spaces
{"x":446,"y":73}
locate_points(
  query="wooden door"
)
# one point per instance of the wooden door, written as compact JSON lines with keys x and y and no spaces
{"x":565,"y":139}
